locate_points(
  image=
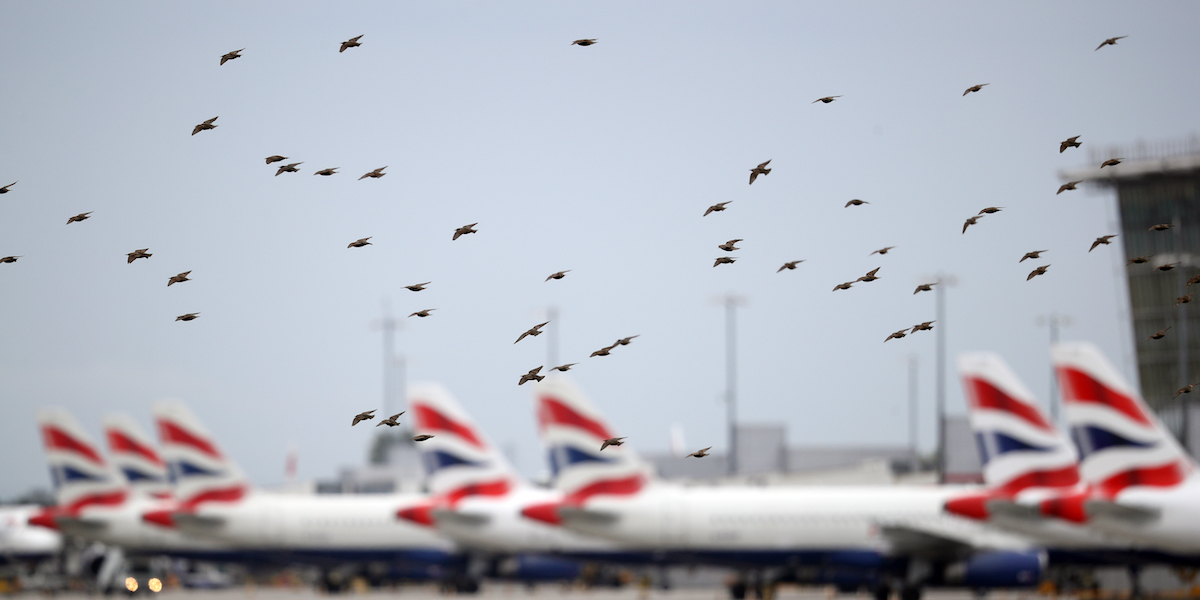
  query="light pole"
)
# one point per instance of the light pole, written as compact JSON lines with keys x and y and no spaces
{"x":940,"y":294}
{"x":388,"y":325}
{"x":912,"y":409}
{"x":1054,"y":321}
{"x":731,"y":302}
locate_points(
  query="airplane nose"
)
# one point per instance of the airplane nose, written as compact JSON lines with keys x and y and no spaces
{"x":1069,"y":507}
{"x":162,"y":518}
{"x":546,"y":513}
{"x":45,"y":518}
{"x":971,"y":507}
{"x":421,"y":514}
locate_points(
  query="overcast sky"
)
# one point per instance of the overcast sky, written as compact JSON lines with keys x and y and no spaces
{"x":597,"y":159}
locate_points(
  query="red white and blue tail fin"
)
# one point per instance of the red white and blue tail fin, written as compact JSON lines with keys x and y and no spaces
{"x":200,"y":470}
{"x":574,"y":431}
{"x":134,"y":455}
{"x":80,"y":474}
{"x":459,"y":460}
{"x":1121,"y":441}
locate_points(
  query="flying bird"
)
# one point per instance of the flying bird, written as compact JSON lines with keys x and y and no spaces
{"x":1104,"y":239}
{"x":729,"y":246}
{"x":925,"y":326}
{"x":563,"y":368}
{"x":350,"y":43}
{"x":1137,"y":260}
{"x":276,"y":158}
{"x":535,"y":331}
{"x":4,"y":190}
{"x":422,"y":437}
{"x":826,"y":99}
{"x":791,"y":266}
{"x":416,"y":287}
{"x":376,"y":174}
{"x":761,"y":169}
{"x":1160,"y":334}
{"x":10,"y":259}
{"x":136,"y":254}
{"x":1187,"y":389}
{"x":363,"y":416}
{"x":228,"y":56}
{"x":611,"y":442}
{"x":1194,"y":279}
{"x":699,"y":453}
{"x":882,"y":250}
{"x":605,"y":351}
{"x":423,"y":313}
{"x":1037,"y":271}
{"x":1183,"y":299}
{"x":359,"y":243}
{"x":391,"y":421}
{"x":583,"y":42}
{"x":188,"y":317}
{"x":288,"y":168}
{"x":205,"y":125}
{"x":1070,"y":185}
{"x":1166,"y":267}
{"x":971,"y":221}
{"x":991,"y":209}
{"x":558,"y":275}
{"x":725,"y":260}
{"x":532,"y":375}
{"x":843,"y":286}
{"x":855,"y":202}
{"x":625,"y":341}
{"x":80,"y":217}
{"x":718,"y":207}
{"x":1069,"y":143}
{"x":925,"y":287}
{"x":1112,"y":41}
{"x":870,"y":276}
{"x":1034,"y":254}
{"x":464,"y":230}
{"x":326,"y":172}
{"x":1160,"y":227}
{"x":975,"y":88}
{"x":180,"y":278}
{"x":1112,"y":162}
{"x":897,"y":335}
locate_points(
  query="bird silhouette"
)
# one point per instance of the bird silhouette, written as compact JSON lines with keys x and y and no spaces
{"x":973,"y":220}
{"x":882,"y":250}
{"x":991,"y":209}
{"x":350,"y":43}
{"x":1194,"y":279}
{"x":791,"y":266}
{"x":925,"y":326}
{"x":1137,"y":260}
{"x":729,"y":246}
{"x":558,"y":275}
{"x":359,"y":243}
{"x":1160,"y":227}
{"x":1186,"y":298}
{"x":1037,"y":271}
{"x":855,"y":202}
{"x":625,"y":341}
{"x":924,"y":287}
{"x":10,"y":259}
{"x":376,"y":174}
{"x":228,"y":56}
{"x":79,"y":217}
{"x":4,"y":190}
{"x":1034,"y":254}
{"x":1068,"y":143}
{"x":136,"y":254}
{"x":718,"y":207}
{"x":535,"y":331}
{"x":975,"y":88}
{"x":725,"y":260}
{"x":1160,"y":334}
{"x":391,"y":421}
{"x":563,"y":368}
{"x":761,"y":169}
{"x":188,"y":317}
{"x":180,"y":278}
{"x":870,"y":276}
{"x":1112,"y":162}
{"x":843,"y":286}
{"x":1104,"y":239}
{"x":422,"y":437}
{"x":1112,"y":41}
{"x":532,"y":375}
{"x":205,"y":125}
{"x":326,"y":172}
{"x":1166,"y":267}
{"x":274,"y":158}
{"x":605,"y":351}
{"x":464,"y":230}
{"x":1187,"y":389}
{"x":288,"y":168}
{"x":826,"y":99}
{"x":583,"y":42}
{"x":1070,"y":185}
{"x":897,"y":335}
{"x":423,"y":313}
{"x":363,"y":416}
{"x":611,"y":442}
{"x":416,"y":287}
{"x":700,"y":453}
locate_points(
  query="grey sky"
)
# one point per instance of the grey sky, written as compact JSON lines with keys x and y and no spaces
{"x":600,"y":160}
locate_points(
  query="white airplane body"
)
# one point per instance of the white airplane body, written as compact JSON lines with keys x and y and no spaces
{"x":21,"y":541}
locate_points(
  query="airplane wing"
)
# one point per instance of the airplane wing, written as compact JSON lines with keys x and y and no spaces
{"x":459,"y":517}
{"x":1014,"y":510}
{"x":587,"y":515}
{"x":197,"y":522}
{"x":920,"y":540}
{"x":1126,"y":513}
{"x":81,"y":525}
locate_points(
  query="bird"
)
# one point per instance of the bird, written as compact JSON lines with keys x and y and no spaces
{"x":925,"y":326}
{"x":843,"y":286}
{"x":761,"y":169}
{"x":897,"y":335}
{"x":1034,"y":254}
{"x":699,"y":453}
{"x":363,"y":416}
{"x":604,"y":351}
{"x":80,"y":217}
{"x":558,"y":275}
{"x":729,"y":246}
{"x":1070,"y":185}
{"x":826,"y":99}
{"x":276,"y":158}
{"x":228,"y":56}
{"x":326,"y":172}
{"x":882,"y":250}
{"x":4,"y":190}
{"x":288,"y":168}
{"x":855,"y":202}
{"x":1194,"y":279}
{"x":359,"y":243}
{"x":971,"y":221}
{"x":1069,"y":143}
{"x":1137,"y":260}
{"x":1183,"y":299}
{"x":188,"y":317}
{"x":10,"y":259}
{"x":1104,"y":239}
{"x":611,"y":442}
{"x":136,"y":254}
{"x":205,"y":125}
{"x":1160,"y":227}
{"x":1112,"y":41}
{"x":1187,"y":389}
{"x":1166,"y":267}
{"x":718,"y":207}
{"x":376,"y":174}
{"x":925,"y":287}
{"x":423,"y":313}
{"x":975,"y":88}
{"x":422,"y":437}
{"x":791,"y":266}
{"x":725,"y":260}
{"x":563,"y":368}
{"x":1112,"y":162}
{"x":1160,"y":334}
{"x":991,"y":209}
{"x":625,"y":341}
{"x":464,"y":230}
{"x":391,"y":421}
{"x":180,"y":278}
{"x":870,"y":276}
{"x":535,"y":331}
{"x":583,"y":42}
{"x":350,"y":43}
{"x":1037,"y":271}
{"x":416,"y":287}
{"x":532,"y":375}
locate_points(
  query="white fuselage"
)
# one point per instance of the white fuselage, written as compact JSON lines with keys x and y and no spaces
{"x":19,"y":539}
{"x":122,"y":525}
{"x":1176,"y":526}
{"x":494,"y":524}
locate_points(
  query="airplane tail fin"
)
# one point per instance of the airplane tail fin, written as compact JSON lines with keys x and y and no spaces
{"x":134,"y":454}
{"x":80,"y":474}
{"x":200,"y":470}
{"x":574,"y":431}
{"x":1019,"y":448}
{"x":1121,"y":441}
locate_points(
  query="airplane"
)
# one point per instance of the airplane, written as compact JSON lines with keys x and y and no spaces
{"x":133,"y":453}
{"x":1141,"y":484}
{"x":889,"y":537}
{"x":22,"y":542}
{"x":216,"y":501}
